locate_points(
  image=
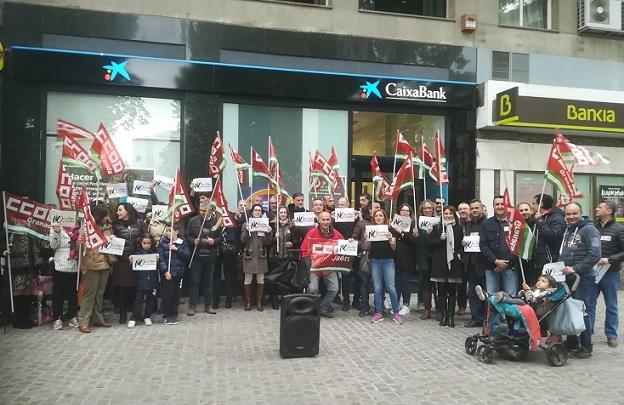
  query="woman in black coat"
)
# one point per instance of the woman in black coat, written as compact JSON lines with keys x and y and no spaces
{"x":126,"y":225}
{"x":405,"y":257}
{"x":445,"y":244}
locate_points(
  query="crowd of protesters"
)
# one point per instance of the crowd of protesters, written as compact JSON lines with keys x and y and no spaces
{"x":206,"y":260}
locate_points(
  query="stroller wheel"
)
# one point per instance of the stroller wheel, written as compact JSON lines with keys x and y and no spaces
{"x":486,"y":354}
{"x":557,"y":354}
{"x":471,"y":345}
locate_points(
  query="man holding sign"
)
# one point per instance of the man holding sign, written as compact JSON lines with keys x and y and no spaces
{"x":580,"y":252}
{"x":612,"y":246}
{"x":330,"y":278}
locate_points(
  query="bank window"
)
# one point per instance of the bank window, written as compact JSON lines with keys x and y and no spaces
{"x":427,"y":8}
{"x":510,"y":66}
{"x":525,"y":13}
{"x":146,"y":132}
{"x":376,"y":131}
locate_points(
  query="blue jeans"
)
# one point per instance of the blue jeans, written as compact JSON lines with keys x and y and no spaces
{"x":506,"y":281}
{"x":382,"y":271}
{"x":403,"y":287}
{"x":331,"y":285}
{"x":586,"y":292}
{"x":608,"y":286}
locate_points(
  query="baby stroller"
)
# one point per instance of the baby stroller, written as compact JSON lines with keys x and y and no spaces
{"x":512,"y":341}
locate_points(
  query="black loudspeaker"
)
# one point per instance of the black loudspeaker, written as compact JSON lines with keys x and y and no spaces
{"x":300,"y":326}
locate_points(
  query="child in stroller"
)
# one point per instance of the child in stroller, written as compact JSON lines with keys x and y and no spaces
{"x":545,"y":286}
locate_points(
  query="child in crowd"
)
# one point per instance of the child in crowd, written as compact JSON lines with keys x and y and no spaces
{"x":172,"y":271}
{"x":545,"y":286}
{"x":146,"y":284}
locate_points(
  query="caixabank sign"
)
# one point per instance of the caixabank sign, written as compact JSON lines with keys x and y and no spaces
{"x":401,"y":90}
{"x":511,"y":109}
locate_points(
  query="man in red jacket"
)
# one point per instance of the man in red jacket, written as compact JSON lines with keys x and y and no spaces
{"x":324,"y":230}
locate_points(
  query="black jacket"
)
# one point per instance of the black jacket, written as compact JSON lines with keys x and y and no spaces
{"x":474,"y":259}
{"x":549,"y":230}
{"x":493,"y":243}
{"x":405,"y":254}
{"x":130,"y":231}
{"x":612,"y":242}
{"x":211,"y":229}
{"x":179,"y":259}
{"x":145,"y":279}
{"x":437,"y":247}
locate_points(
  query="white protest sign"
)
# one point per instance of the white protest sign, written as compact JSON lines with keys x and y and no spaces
{"x":145,"y":262}
{"x":115,"y":246}
{"x":166,"y":183}
{"x":304,"y":218}
{"x":258,"y":224}
{"x":376,"y":233}
{"x":472,"y":243}
{"x":63,"y":218}
{"x":116,"y":190}
{"x":427,"y":223}
{"x":601,"y":270}
{"x":142,"y":187}
{"x":347,"y":247}
{"x":344,"y":215}
{"x":401,"y":222}
{"x":139,"y":204}
{"x":159,"y":212}
{"x":556,"y":270}
{"x":202,"y":184}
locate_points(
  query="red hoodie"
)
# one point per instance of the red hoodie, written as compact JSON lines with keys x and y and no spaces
{"x":315,"y":233}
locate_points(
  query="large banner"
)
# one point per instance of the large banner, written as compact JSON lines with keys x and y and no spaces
{"x":331,"y":255}
{"x":26,"y":216}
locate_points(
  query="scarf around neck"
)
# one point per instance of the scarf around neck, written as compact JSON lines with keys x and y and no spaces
{"x":450,"y":242}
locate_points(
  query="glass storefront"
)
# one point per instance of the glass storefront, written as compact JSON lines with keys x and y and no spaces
{"x":146,"y":132}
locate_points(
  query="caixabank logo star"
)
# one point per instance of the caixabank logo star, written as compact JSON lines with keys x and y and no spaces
{"x":113,"y":69}
{"x":368,"y":89}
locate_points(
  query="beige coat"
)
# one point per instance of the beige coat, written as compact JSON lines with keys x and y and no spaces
{"x":94,"y":260}
{"x":255,"y":251}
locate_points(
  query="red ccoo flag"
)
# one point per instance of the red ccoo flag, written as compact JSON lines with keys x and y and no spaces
{"x":66,"y":128}
{"x":216,"y":162}
{"x":438,"y":168}
{"x":65,"y":189}
{"x":242,"y":167}
{"x":179,"y":200}
{"x":558,"y":174}
{"x":103,"y":148}
{"x":94,"y":237}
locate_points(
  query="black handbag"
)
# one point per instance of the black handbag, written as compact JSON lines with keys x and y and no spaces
{"x":363,"y":265}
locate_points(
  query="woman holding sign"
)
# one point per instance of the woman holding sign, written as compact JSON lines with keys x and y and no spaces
{"x":256,"y":237}
{"x":126,"y":226}
{"x":280,"y":249}
{"x":425,"y":286}
{"x":405,"y":257}
{"x":381,"y":261}
{"x":445,"y":242}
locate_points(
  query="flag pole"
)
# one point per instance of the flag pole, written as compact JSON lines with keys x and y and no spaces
{"x":440,"y":181}
{"x":201,"y":228}
{"x":414,"y":192}
{"x":521,"y":270}
{"x":277,"y":202}
{"x":175,"y":186}
{"x":268,"y":180}
{"x":6,"y":230}
{"x":424,"y":177}
{"x":79,"y":263}
{"x":396,"y":149}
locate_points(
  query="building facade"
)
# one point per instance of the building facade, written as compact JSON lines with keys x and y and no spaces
{"x":308,"y":73}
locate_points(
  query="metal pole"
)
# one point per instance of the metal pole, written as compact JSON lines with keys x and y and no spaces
{"x":6,"y":230}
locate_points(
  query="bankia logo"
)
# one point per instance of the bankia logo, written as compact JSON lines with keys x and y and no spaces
{"x":113,"y":69}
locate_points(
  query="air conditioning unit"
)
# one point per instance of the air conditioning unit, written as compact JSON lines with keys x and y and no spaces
{"x":599,"y":16}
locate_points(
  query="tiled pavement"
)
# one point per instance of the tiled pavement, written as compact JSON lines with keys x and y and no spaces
{"x":233,"y":357}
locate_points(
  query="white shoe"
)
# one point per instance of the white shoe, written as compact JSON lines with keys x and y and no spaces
{"x":404,"y":310}
{"x":73,"y":323}
{"x":131,"y":324}
{"x":147,"y":321}
{"x":58,"y":324}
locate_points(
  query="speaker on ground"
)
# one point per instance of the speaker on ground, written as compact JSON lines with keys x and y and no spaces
{"x":300,"y":326}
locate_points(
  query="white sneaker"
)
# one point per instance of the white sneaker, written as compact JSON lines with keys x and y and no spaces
{"x":73,"y":323}
{"x":147,"y":321}
{"x":131,"y":324}
{"x":58,"y":324}
{"x":404,"y":310}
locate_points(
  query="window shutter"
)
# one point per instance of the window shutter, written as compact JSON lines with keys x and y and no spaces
{"x":500,"y":65}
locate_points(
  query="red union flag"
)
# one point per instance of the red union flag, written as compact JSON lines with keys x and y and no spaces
{"x":65,"y":189}
{"x":104,"y":148}
{"x":220,"y":204}
{"x":380,"y":182}
{"x":179,"y":199}
{"x":273,"y":164}
{"x":508,"y":205}
{"x":75,"y":155}
{"x":403,"y":148}
{"x":216,"y":162}
{"x":26,"y":216}
{"x":322,"y":168}
{"x":520,"y":238}
{"x":65,"y":128}
{"x":325,"y":257}
{"x":559,"y":175}
{"x":258,"y":167}
{"x":438,"y":169}
{"x":333,"y":162}
{"x":577,"y":155}
{"x":94,"y":237}
{"x":242,"y":167}
{"x":403,"y":180}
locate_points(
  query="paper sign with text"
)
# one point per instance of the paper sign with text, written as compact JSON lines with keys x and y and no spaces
{"x":472,"y":243}
{"x":258,"y":224}
{"x":145,"y":262}
{"x":325,"y":256}
{"x":116,"y":190}
{"x":202,"y":184}
{"x":166,"y":183}
{"x":66,"y":219}
{"x":376,"y":233}
{"x":140,"y":187}
{"x":159,"y":212}
{"x":401,"y":222}
{"x":115,"y":246}
{"x":304,"y":218}
{"x":556,"y":270}
{"x":427,"y":223}
{"x":139,"y":204}
{"x":347,"y":247}
{"x":344,"y":215}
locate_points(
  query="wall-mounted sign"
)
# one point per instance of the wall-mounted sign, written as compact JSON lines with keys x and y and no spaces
{"x":402,"y":90}
{"x":511,"y":109}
